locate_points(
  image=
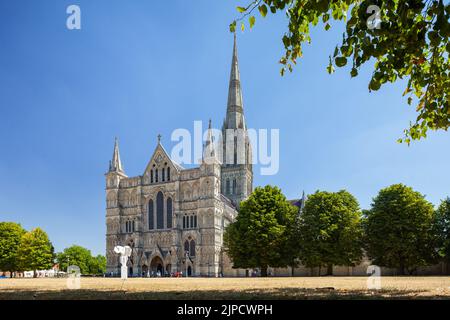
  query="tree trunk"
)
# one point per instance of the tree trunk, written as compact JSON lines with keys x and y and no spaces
{"x":34,"y":274}
{"x":292,"y":271}
{"x":264,"y":271}
{"x":330,"y":270}
{"x":320,"y":270}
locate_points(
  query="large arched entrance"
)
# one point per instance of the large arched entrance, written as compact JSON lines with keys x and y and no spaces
{"x":189,"y":271}
{"x":157,"y":267}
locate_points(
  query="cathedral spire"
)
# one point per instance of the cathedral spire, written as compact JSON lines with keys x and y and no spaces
{"x":302,"y":205}
{"x":235,"y":118}
{"x":115,"y":165}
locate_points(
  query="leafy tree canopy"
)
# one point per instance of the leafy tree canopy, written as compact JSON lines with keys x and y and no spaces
{"x":259,"y":236}
{"x":442,"y":228}
{"x":10,"y":236}
{"x":36,"y":252}
{"x":410,"y":42}
{"x":98,"y":264}
{"x":330,"y":230}
{"x":399,"y":229}
{"x":81,"y":257}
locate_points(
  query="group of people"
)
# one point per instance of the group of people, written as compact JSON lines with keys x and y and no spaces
{"x":159,"y":274}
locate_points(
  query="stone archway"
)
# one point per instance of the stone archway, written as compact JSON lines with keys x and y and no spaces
{"x":157,"y":266}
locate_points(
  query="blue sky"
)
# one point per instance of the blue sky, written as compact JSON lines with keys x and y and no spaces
{"x":140,"y":68}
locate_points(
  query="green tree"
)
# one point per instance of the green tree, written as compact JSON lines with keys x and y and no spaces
{"x":97,"y":265}
{"x":10,"y":236}
{"x":259,"y":236}
{"x":75,"y":255}
{"x":399,"y":229}
{"x":330,"y":230}
{"x":36,"y":252}
{"x":442,"y":230}
{"x":411,"y":43}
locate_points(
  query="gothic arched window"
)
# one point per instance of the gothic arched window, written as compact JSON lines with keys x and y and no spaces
{"x":227,"y":191}
{"x":195,"y":221}
{"x":168,"y":173}
{"x":151,"y":221}
{"x":192,"y":222}
{"x":169,"y":212}
{"x":186,"y":246}
{"x":156,"y":175}
{"x":192,"y":248}
{"x":184,"y":222}
{"x":234,"y":186}
{"x":163,"y":174}
{"x":159,"y":210}
{"x":151,"y":176}
{"x":129,"y":226}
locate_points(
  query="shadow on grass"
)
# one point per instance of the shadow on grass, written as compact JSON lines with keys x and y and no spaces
{"x":249,"y":294}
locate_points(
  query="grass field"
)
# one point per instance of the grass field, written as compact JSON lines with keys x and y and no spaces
{"x":228,"y":288}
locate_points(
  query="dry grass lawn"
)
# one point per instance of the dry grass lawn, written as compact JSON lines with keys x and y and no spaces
{"x":228,"y":288}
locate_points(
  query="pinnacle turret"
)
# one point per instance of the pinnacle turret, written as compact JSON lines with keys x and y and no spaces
{"x":115,"y":165}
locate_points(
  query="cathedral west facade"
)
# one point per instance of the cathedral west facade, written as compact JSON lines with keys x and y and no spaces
{"x":174,"y":218}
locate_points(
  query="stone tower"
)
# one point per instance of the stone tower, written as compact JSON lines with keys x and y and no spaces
{"x":237,"y":173}
{"x":113,"y":217}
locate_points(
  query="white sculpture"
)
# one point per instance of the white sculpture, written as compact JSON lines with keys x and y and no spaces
{"x":125,"y":253}
{"x":73,"y":277}
{"x":374,"y":279}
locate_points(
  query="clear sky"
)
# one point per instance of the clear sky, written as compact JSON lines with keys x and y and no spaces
{"x":140,"y":68}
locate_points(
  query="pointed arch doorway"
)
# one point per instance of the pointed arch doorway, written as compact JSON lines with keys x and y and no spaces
{"x":157,"y":266}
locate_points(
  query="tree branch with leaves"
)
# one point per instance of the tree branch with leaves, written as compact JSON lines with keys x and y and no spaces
{"x":410,"y":41}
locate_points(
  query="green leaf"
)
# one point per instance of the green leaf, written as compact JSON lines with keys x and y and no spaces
{"x":241,"y":9}
{"x":330,"y":68}
{"x":242,"y":27}
{"x":374,"y":85}
{"x":327,"y":27}
{"x":340,"y":61}
{"x":233,"y":26}
{"x":286,"y":41}
{"x":354,"y":72}
{"x":336,"y":52}
{"x":251,"y":20}
{"x":263,"y":10}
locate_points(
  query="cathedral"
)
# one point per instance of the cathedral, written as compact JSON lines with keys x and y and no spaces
{"x":174,"y":218}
